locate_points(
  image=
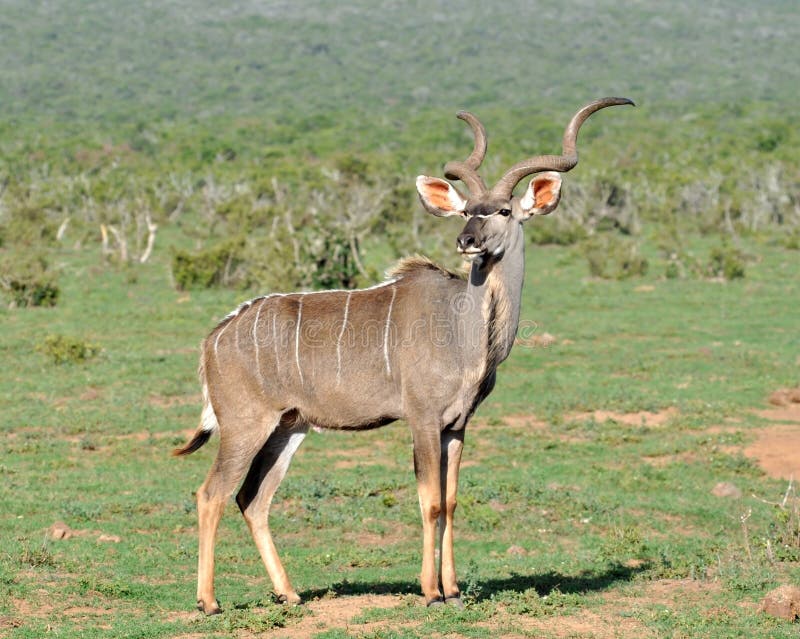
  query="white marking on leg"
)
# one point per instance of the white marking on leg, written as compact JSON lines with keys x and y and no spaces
{"x":339,"y":341}
{"x":297,"y":338}
{"x":386,"y":333}
{"x":281,"y":464}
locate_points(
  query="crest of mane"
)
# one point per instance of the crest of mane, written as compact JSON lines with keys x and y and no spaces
{"x":419,"y":263}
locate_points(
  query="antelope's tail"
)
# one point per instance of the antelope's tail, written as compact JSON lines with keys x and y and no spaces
{"x":208,"y":421}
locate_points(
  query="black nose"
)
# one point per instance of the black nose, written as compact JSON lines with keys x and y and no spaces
{"x":465,"y":241}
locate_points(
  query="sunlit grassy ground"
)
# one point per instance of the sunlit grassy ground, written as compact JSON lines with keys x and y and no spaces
{"x":562,"y":518}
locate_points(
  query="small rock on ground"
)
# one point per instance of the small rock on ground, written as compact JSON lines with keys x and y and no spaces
{"x":726,"y":489}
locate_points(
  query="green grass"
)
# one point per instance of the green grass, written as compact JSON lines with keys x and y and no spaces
{"x":596,"y":520}
{"x":113,"y":109}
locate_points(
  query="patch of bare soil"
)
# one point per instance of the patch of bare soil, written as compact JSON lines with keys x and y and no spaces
{"x":777,"y":447}
{"x":777,"y":450}
{"x":537,"y":340}
{"x":525,"y":421}
{"x":640,"y":418}
{"x":616,"y":615}
{"x":28,"y":609}
{"x":337,"y":613}
{"x":786,"y":406}
{"x":588,"y":624}
{"x":60,"y":531}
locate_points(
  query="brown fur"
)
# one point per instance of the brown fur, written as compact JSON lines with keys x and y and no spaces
{"x":416,"y":263}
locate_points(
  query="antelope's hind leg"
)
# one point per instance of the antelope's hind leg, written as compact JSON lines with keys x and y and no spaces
{"x":239,"y":444}
{"x":255,"y":497}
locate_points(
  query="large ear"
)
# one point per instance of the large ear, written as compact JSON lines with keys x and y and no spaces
{"x":542,"y":195}
{"x":440,"y":197}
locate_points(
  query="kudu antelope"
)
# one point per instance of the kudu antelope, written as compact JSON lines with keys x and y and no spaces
{"x":423,"y":346}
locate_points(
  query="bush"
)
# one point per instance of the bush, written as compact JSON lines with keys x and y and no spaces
{"x":216,"y":266}
{"x":61,"y":349}
{"x":791,"y":240}
{"x":27,"y":281}
{"x":26,"y":224}
{"x":610,"y":257}
{"x":727,"y":262}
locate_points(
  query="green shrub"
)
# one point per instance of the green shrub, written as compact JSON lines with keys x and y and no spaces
{"x":683,"y":265}
{"x":611,"y":257}
{"x":309,"y":257}
{"x":26,"y":224}
{"x":62,"y":349}
{"x":727,"y":262}
{"x":27,"y":281}
{"x":207,"y":268}
{"x":791,"y":240}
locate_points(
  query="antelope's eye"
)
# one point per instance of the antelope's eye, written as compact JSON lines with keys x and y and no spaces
{"x":505,"y":212}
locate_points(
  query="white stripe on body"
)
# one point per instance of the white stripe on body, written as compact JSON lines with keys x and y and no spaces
{"x":255,"y":340}
{"x":339,"y":341}
{"x":386,"y":333}
{"x":275,"y":341}
{"x":297,"y":339}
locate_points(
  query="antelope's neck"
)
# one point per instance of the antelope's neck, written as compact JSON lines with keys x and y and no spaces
{"x":496,"y":293}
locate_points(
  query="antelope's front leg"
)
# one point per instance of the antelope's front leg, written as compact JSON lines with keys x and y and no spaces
{"x":427,"y":460}
{"x":452,"y":445}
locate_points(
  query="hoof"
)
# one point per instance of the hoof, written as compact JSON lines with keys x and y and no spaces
{"x":213,"y":609}
{"x":292,"y":599}
{"x":435,"y":603}
{"x":455,"y":602}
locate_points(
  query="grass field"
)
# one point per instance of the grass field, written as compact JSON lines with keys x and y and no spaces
{"x":566,"y":520}
{"x":592,"y":498}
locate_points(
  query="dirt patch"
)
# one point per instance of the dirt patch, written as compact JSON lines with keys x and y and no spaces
{"x":786,"y":406}
{"x":28,"y":609}
{"x":783,"y":602}
{"x":525,"y":421}
{"x":777,"y":450}
{"x":588,"y":623}
{"x":785,"y":397}
{"x":781,"y":413}
{"x":185,"y":616}
{"x":10,"y":622}
{"x":537,"y":340}
{"x":640,"y":418}
{"x":612,"y":614}
{"x":60,"y":531}
{"x":616,"y":616}
{"x":337,"y":613}
{"x":90,"y":394}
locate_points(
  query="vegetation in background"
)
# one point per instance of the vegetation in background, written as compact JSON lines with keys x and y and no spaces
{"x":63,"y":349}
{"x":27,"y":280}
{"x":161,"y":161}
